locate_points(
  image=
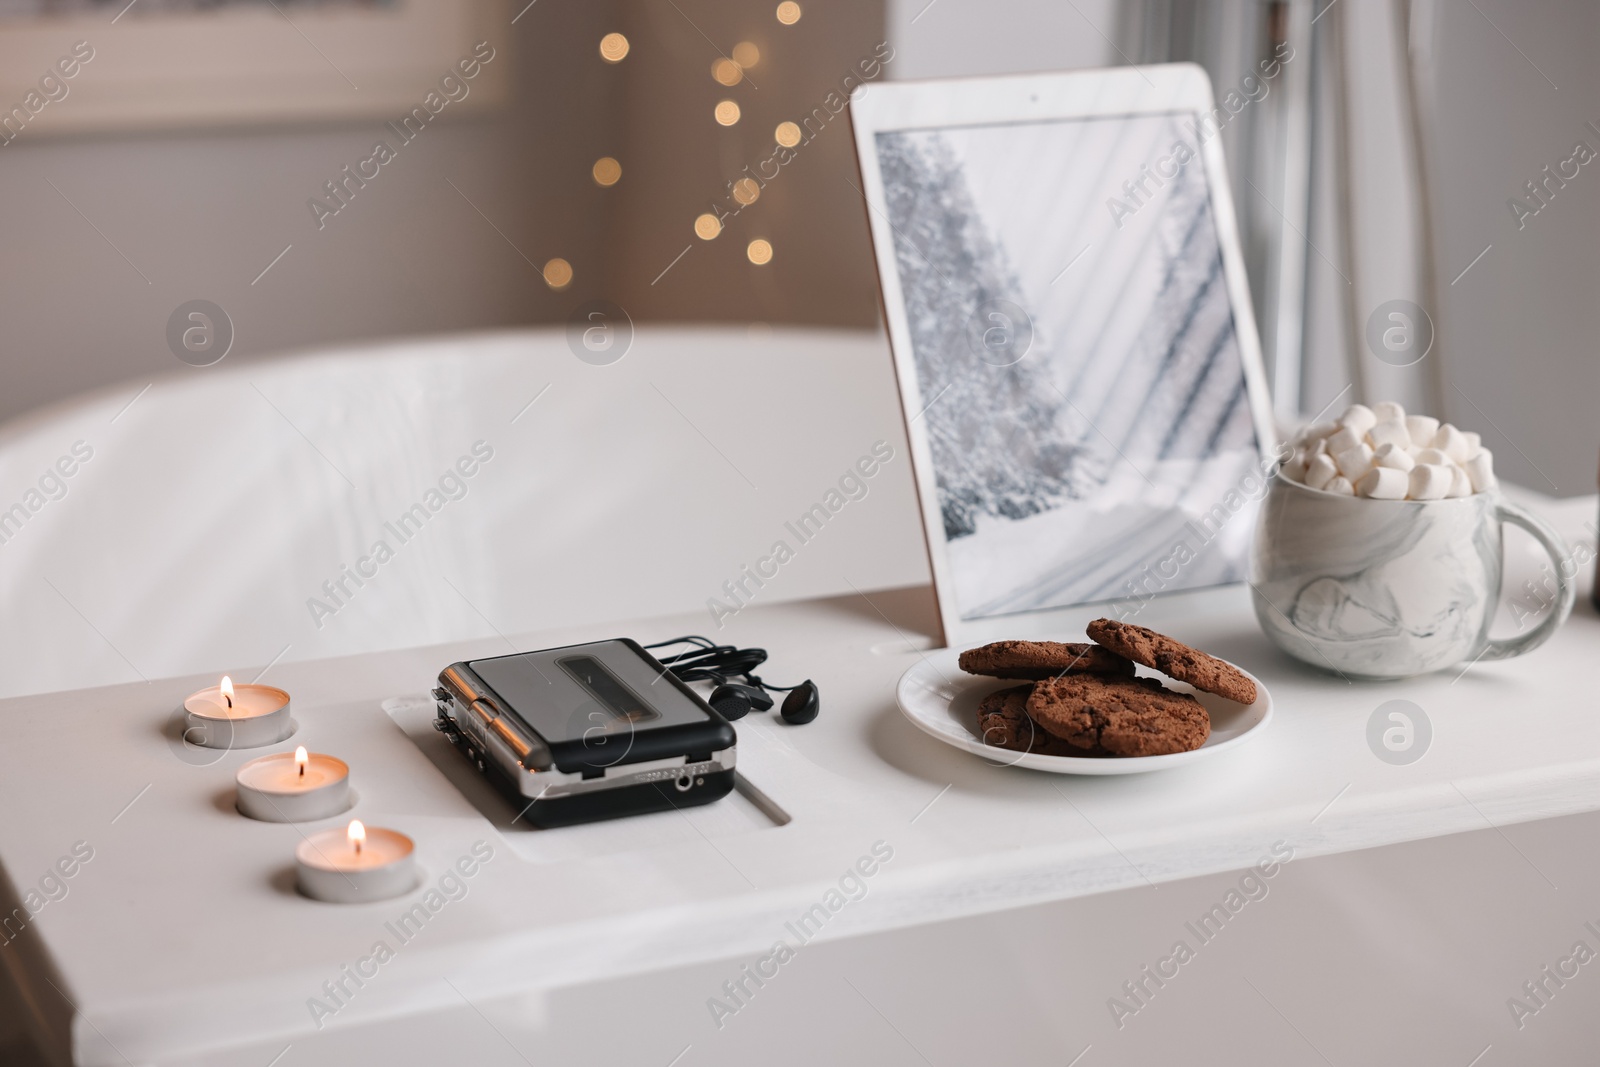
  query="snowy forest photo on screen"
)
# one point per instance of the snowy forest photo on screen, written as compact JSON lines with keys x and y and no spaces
{"x":1074,"y":343}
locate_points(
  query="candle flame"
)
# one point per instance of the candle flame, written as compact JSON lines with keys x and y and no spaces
{"x":227,"y":690}
{"x":357,"y":834}
{"x":301,"y":759}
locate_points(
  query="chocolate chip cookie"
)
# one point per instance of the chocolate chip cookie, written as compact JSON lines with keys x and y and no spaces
{"x":1004,"y":723}
{"x":1037,"y":660}
{"x":1125,"y":716}
{"x":1174,"y":659}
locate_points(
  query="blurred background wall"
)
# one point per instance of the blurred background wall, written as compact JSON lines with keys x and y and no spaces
{"x":455,"y":233}
{"x":201,"y":212}
{"x":1517,"y":89}
{"x":1505,"y":89}
{"x":105,"y":233}
{"x":682,"y":160}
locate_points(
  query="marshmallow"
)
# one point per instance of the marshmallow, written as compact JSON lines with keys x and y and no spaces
{"x":1480,"y":469}
{"x":1346,"y":438}
{"x":1389,"y":411}
{"x":1358,"y":417}
{"x":1389,"y":432}
{"x":1320,"y":471}
{"x":1452,"y":442}
{"x":1384,"y":483}
{"x":1394,"y":456}
{"x":1354,"y":462}
{"x":1433,"y":456}
{"x":1382,"y":453}
{"x":1422,"y":429}
{"x":1430,"y":481}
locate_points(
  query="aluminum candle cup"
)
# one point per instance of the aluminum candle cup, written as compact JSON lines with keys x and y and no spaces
{"x":293,"y":787}
{"x":354,"y":865}
{"x":247,"y":716}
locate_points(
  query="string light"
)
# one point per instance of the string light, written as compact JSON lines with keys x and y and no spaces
{"x":787,"y":134}
{"x":707,"y":226}
{"x":613,"y":47}
{"x":746,"y":54}
{"x":788,"y":12}
{"x":558,"y":274}
{"x":759,"y":252}
{"x":727,"y":112}
{"x":607,"y":171}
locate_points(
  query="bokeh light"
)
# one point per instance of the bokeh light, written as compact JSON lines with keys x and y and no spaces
{"x":747,"y":191}
{"x":727,"y":72}
{"x":613,"y":47}
{"x":727,"y":112}
{"x":787,"y":134}
{"x":759,"y":251}
{"x":558,"y":274}
{"x":746,"y":54}
{"x":707,"y":227}
{"x":788,"y":12}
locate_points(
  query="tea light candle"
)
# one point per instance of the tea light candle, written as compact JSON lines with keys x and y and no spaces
{"x":248,"y":716}
{"x":293,"y":787}
{"x":355,"y":865}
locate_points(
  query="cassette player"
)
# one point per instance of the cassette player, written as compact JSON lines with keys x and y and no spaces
{"x":586,"y":732}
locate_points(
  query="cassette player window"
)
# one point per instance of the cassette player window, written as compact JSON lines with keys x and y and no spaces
{"x":614,"y":697}
{"x":569,"y":694}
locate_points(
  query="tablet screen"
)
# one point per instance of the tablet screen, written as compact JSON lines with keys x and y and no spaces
{"x":1077,"y":356}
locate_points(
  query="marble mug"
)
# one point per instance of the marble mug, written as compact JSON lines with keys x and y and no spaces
{"x":1391,"y":588}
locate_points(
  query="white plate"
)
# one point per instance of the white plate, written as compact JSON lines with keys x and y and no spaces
{"x":942,"y":700}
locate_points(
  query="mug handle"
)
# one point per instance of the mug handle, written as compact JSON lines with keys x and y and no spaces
{"x":1566,"y":587}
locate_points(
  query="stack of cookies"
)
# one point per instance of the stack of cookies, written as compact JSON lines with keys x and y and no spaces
{"x":1083,"y":699}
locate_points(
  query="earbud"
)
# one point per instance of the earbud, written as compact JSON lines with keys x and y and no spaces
{"x":733,"y":700}
{"x":801,"y":705}
{"x":708,"y":661}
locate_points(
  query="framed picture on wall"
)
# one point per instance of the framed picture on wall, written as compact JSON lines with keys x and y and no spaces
{"x":1073,"y":338}
{"x":167,"y":63}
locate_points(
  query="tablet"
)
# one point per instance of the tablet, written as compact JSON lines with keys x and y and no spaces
{"x":1073,"y":338}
